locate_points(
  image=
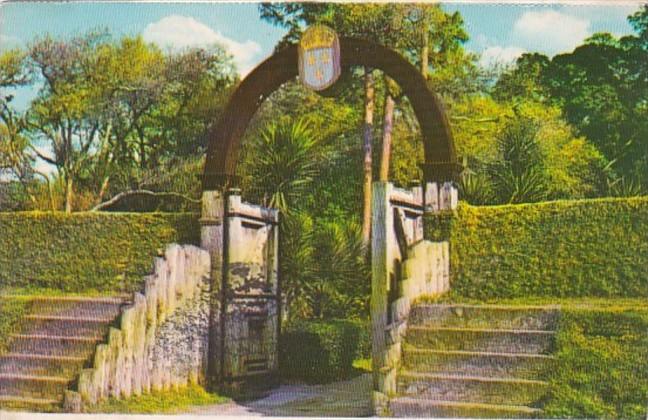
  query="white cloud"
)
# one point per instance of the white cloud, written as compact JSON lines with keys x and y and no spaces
{"x":177,"y":31}
{"x":500,"y":55}
{"x":550,"y":31}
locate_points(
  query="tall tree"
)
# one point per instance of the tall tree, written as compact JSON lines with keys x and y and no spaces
{"x":113,"y":112}
{"x":436,"y":37}
{"x":602,"y":88}
{"x":65,"y":113}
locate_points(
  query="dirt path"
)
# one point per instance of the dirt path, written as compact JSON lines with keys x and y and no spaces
{"x":338,"y":399}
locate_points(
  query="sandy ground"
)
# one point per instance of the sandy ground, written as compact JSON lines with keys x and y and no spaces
{"x":339,"y":399}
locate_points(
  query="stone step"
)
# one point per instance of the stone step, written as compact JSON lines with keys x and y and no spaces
{"x":518,"y":365}
{"x":18,"y":402}
{"x":31,"y":386}
{"x":481,"y":339}
{"x":51,"y":345}
{"x":80,"y":307}
{"x":485,"y":316}
{"x":66,"y":325}
{"x":415,"y":407}
{"x":478,"y":389}
{"x":35,"y":364}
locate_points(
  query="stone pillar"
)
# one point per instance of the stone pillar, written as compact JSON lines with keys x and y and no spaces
{"x":381,"y":259}
{"x":211,"y":239}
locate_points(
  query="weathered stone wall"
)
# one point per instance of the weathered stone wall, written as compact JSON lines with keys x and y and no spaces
{"x":162,"y":339}
{"x":403,"y":261}
{"x":251,"y":291}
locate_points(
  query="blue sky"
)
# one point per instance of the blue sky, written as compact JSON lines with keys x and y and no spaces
{"x":498,"y":32}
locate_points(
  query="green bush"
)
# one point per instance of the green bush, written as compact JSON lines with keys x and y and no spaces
{"x":601,"y":366}
{"x":322,"y":351}
{"x":11,"y":312}
{"x":108,"y":252}
{"x":561,"y":248}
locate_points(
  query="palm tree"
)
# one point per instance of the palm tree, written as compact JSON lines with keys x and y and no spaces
{"x":285,"y":163}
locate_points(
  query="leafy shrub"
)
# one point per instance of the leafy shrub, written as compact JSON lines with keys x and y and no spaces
{"x":518,"y":174}
{"x":602,"y":365}
{"x":322,"y":351}
{"x":11,"y":312}
{"x":286,"y":157}
{"x":324,"y":269}
{"x":108,"y":252}
{"x":562,"y":248}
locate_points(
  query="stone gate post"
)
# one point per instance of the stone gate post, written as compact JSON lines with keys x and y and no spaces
{"x":211,"y":239}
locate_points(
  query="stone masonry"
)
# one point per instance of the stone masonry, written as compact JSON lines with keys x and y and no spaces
{"x":162,"y":339}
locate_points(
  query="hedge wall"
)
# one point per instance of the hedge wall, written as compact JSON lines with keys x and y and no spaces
{"x":87,"y":251}
{"x":562,"y":248}
{"x":322,"y":351}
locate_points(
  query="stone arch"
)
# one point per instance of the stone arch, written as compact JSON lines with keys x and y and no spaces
{"x":225,"y":138}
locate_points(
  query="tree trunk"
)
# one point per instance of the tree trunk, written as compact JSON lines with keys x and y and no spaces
{"x":103,"y":190}
{"x":388,"y":125}
{"x":50,"y":192}
{"x":368,"y":137}
{"x":425,"y":49}
{"x":69,"y":194}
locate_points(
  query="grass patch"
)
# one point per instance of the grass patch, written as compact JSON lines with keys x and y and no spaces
{"x":11,"y":312}
{"x":27,"y":293}
{"x":602,"y":365}
{"x":362,"y":365}
{"x":569,"y":302}
{"x":161,"y":402}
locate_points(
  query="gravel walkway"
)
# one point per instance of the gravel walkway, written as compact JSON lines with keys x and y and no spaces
{"x":338,"y":399}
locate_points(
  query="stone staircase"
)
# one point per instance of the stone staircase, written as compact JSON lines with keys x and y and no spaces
{"x":57,"y":338}
{"x":478,"y":361}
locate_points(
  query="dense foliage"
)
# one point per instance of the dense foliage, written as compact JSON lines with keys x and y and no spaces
{"x":601,"y":369}
{"x":87,"y":251}
{"x":562,"y":248}
{"x":322,"y":351}
{"x":11,"y":313}
{"x":546,"y":128}
{"x":109,"y":114}
{"x":602,"y":88}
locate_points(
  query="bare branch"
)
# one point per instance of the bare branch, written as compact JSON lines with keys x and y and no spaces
{"x":476,"y":120}
{"x":42,"y":156}
{"x":125,"y":194}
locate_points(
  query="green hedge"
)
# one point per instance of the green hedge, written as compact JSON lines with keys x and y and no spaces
{"x":562,"y":248}
{"x":11,"y":313}
{"x":322,"y":351}
{"x":601,"y":366}
{"x":108,"y":252}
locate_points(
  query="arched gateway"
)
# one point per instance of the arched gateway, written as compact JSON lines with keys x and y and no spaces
{"x":246,"y":305}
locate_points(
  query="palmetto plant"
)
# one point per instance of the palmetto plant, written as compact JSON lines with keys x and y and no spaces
{"x":623,"y":187}
{"x":286,"y":157}
{"x":340,"y":272}
{"x":475,"y":188}
{"x":518,"y":175}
